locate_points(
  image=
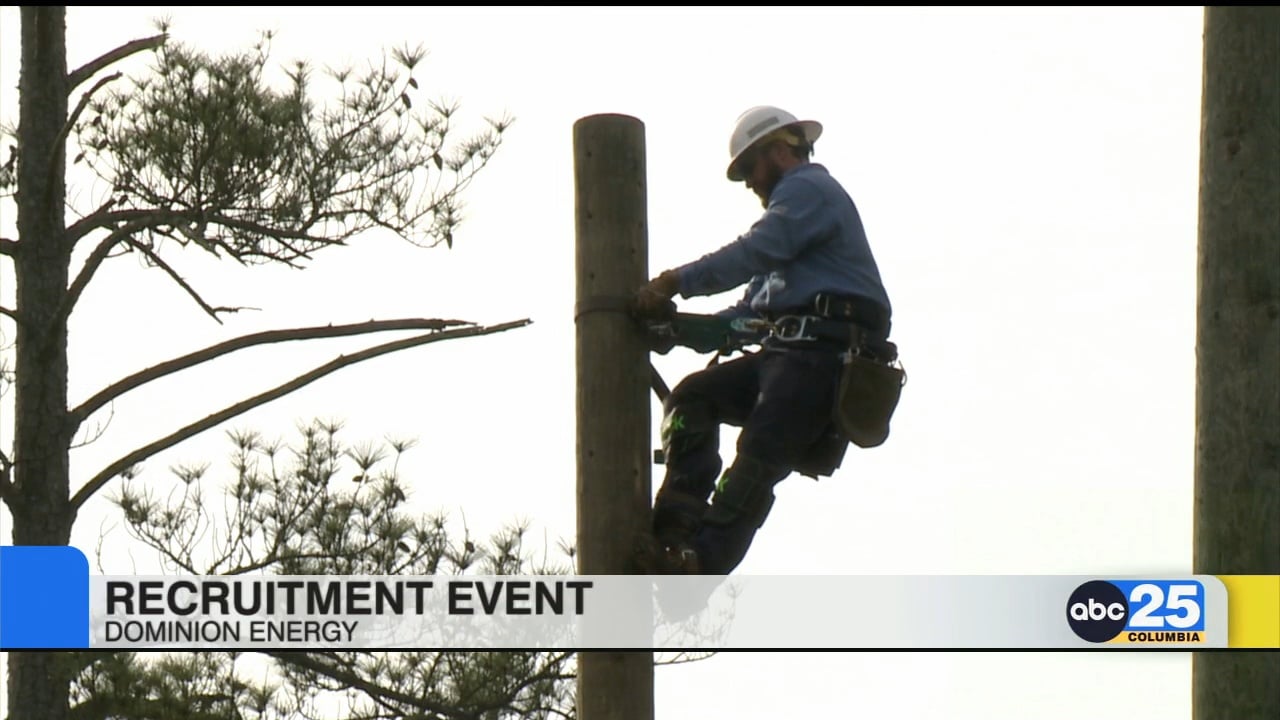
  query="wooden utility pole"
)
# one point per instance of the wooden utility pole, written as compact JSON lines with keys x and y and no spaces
{"x":613,"y":390}
{"x":1237,"y":459}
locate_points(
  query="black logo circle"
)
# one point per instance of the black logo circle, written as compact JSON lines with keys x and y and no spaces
{"x":1097,"y":611}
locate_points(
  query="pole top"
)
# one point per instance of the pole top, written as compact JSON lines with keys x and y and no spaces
{"x":608,"y":118}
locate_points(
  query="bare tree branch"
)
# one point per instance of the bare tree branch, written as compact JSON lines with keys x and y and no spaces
{"x":276,"y":233}
{"x":685,"y":657}
{"x":8,"y":247}
{"x":137,"y":220}
{"x":93,"y":437}
{"x":102,"y":478}
{"x":90,"y":266}
{"x":109,"y":709}
{"x":116,"y":389}
{"x":140,"y":219}
{"x":86,"y":71}
{"x":310,"y":662}
{"x":60,"y":142}
{"x":274,"y":558}
{"x":210,"y":310}
{"x":120,"y":234}
{"x":545,"y":674}
{"x":9,"y":313}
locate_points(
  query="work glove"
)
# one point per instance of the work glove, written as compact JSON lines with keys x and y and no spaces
{"x":653,"y":299}
{"x":661,"y":335}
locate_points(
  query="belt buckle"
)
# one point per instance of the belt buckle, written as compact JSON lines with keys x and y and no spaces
{"x":791,"y":327}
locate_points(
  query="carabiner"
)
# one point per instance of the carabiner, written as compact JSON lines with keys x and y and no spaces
{"x":789,"y":328}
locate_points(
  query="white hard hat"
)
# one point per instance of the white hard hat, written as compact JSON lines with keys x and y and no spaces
{"x":758,"y":122}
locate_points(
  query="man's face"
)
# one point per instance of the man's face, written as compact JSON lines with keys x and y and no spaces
{"x":761,"y":171}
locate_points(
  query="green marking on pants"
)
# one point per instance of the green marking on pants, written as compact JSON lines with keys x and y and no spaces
{"x":724,"y":478}
{"x":672,"y":423}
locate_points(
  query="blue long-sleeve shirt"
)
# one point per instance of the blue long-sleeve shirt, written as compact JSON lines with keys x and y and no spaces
{"x":810,"y":240}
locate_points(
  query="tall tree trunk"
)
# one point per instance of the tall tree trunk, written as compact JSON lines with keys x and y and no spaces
{"x":42,"y":515}
{"x":1237,"y":465}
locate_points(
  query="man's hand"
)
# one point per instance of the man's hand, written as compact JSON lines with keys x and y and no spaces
{"x":653,"y":299}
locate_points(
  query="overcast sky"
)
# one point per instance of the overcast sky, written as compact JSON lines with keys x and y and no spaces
{"x":1028,"y":183}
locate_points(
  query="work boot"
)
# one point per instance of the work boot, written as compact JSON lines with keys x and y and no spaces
{"x":654,"y":558}
{"x":677,"y":516}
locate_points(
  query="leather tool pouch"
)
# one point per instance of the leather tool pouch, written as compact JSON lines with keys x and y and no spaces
{"x":870,"y":387}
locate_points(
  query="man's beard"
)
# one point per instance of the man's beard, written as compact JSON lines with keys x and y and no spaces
{"x":763,"y":190}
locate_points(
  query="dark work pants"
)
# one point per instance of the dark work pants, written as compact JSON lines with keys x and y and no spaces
{"x":782,"y":398}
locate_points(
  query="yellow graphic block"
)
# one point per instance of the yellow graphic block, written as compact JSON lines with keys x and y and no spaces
{"x":1253,"y":610}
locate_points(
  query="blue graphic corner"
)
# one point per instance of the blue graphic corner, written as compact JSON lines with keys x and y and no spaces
{"x":44,"y":597}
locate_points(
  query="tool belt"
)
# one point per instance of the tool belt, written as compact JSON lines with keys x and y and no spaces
{"x":857,"y":310}
{"x":839,"y":334}
{"x":871,"y":380}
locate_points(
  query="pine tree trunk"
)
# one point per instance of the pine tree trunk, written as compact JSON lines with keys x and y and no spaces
{"x":1237,"y":461}
{"x":38,"y":682}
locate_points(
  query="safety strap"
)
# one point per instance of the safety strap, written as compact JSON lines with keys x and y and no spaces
{"x":619,"y":304}
{"x":602,"y":303}
{"x":658,"y":384}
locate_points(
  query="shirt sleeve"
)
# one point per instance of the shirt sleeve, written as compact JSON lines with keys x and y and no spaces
{"x":742,"y":308}
{"x":795,"y":218}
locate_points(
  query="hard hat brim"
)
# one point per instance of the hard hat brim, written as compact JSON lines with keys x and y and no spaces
{"x":812,"y":131}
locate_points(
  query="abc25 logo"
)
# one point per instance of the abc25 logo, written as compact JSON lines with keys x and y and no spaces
{"x":1138,"y":611}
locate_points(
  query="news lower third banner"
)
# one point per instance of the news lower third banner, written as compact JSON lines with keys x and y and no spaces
{"x":48,"y":600}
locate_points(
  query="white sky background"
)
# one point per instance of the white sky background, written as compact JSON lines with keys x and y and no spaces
{"x":1028,"y":182}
